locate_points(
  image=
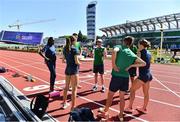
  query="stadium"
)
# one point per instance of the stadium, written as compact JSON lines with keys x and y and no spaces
{"x":148,"y":28}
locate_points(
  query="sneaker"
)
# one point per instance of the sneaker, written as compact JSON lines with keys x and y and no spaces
{"x":65,"y":105}
{"x":94,"y":88}
{"x":103,"y":89}
{"x":101,"y":110}
{"x":121,"y":119}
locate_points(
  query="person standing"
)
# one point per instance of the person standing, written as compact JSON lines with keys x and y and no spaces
{"x":143,"y":79}
{"x":49,"y":54}
{"x":77,"y":45}
{"x":70,"y":56}
{"x":98,"y":66}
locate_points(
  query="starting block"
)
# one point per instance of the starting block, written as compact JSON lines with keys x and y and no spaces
{"x":16,"y":75}
{"x":29,"y":78}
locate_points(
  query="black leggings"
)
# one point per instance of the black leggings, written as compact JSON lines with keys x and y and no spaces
{"x":52,"y":68}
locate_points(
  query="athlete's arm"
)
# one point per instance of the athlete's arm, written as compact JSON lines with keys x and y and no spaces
{"x":76,"y":60}
{"x":138,"y":63}
{"x":114,"y":55}
{"x":41,"y":53}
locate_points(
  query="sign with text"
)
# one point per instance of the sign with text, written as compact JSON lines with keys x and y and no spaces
{"x":32,"y":38}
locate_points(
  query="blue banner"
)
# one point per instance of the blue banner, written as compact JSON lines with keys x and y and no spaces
{"x":32,"y":38}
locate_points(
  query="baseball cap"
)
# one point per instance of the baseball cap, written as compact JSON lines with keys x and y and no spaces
{"x":99,"y":40}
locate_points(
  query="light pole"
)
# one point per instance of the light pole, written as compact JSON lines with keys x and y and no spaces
{"x":161,"y":43}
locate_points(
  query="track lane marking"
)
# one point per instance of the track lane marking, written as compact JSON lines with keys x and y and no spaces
{"x":137,"y":118}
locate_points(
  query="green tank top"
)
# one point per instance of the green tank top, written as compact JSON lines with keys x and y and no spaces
{"x":99,"y":55}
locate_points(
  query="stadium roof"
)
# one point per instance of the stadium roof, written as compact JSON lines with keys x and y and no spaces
{"x":167,"y":22}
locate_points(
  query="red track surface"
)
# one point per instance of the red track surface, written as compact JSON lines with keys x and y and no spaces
{"x":164,"y":102}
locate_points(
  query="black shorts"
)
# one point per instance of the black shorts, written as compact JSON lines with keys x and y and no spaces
{"x":98,"y":69}
{"x":132,"y":72}
{"x":145,"y":77}
{"x":72,"y":70}
{"x":119,"y":83}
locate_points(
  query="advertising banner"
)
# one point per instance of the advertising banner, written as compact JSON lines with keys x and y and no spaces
{"x":32,"y":38}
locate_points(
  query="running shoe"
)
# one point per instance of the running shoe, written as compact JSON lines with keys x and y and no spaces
{"x":65,"y":105}
{"x":103,"y":89}
{"x":94,"y":88}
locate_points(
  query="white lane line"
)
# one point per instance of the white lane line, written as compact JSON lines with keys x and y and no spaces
{"x":63,"y":75}
{"x":167,"y":76}
{"x":47,"y":70}
{"x":170,"y":82}
{"x":164,"y":72}
{"x":9,"y":58}
{"x":157,"y":101}
{"x":29,"y":65}
{"x":163,"y":89}
{"x":153,"y":87}
{"x":166,"y":87}
{"x":77,"y":95}
{"x":44,"y":70}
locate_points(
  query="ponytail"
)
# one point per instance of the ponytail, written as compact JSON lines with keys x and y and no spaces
{"x":68,"y":45}
{"x":145,"y":43}
{"x":69,"y":42}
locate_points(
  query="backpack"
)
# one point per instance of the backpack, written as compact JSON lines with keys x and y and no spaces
{"x":40,"y":106}
{"x":81,"y":114}
{"x":2,"y":70}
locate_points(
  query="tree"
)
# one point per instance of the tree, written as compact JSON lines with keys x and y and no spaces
{"x":80,"y":37}
{"x":84,"y":38}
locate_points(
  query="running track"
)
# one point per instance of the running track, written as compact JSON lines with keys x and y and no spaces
{"x":164,"y":102}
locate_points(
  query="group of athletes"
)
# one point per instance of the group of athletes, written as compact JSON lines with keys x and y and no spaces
{"x":125,"y":59}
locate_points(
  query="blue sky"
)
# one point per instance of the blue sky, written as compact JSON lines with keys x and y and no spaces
{"x":70,"y":15}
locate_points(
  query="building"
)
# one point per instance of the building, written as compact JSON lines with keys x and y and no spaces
{"x":150,"y":29}
{"x":58,"y":42}
{"x":91,"y":21}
